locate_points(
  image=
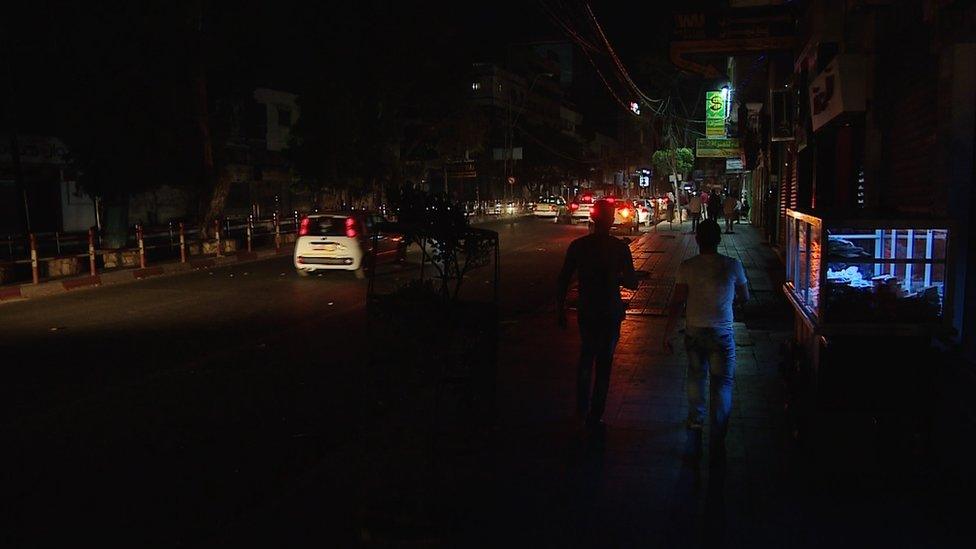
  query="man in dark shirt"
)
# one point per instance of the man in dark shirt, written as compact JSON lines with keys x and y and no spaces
{"x":603,"y":263}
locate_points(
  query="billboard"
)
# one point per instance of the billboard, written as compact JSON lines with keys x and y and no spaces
{"x":715,"y":114}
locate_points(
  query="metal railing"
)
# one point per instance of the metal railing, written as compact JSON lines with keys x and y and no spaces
{"x":22,"y":257}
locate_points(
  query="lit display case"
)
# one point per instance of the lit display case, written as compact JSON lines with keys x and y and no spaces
{"x":868,"y":297}
{"x":845,"y":274}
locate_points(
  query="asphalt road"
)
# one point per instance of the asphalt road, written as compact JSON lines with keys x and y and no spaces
{"x":163,"y":411}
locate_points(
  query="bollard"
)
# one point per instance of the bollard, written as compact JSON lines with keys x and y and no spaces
{"x":142,"y":247}
{"x":33,"y":254}
{"x":217,"y":235}
{"x":91,"y":252}
{"x":277,"y":230}
{"x":182,"y":244}
{"x":250,"y":222}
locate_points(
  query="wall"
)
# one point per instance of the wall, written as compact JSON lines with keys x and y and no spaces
{"x":279,"y":131}
{"x":77,"y":208}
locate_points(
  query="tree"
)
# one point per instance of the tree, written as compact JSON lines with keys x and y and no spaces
{"x":674,"y":162}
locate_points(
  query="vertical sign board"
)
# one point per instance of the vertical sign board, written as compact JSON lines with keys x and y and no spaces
{"x":714,"y":114}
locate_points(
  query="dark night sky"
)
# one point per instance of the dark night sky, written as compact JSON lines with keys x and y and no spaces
{"x":58,"y":48}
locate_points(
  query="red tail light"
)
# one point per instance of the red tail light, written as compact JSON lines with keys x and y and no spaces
{"x":610,"y":199}
{"x":574,"y":206}
{"x":303,"y":229}
{"x":351,"y":227}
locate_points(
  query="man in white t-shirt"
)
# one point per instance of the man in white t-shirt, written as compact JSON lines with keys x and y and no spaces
{"x":706,"y":287}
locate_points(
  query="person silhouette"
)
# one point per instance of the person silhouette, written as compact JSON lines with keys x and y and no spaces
{"x":603,"y":263}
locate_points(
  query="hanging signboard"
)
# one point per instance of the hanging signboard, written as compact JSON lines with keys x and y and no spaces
{"x":715,"y":112}
{"x":718,"y":148}
{"x":838,"y":90}
{"x":733,"y":165}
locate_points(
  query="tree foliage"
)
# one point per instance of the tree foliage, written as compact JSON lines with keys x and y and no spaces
{"x":673,"y":161}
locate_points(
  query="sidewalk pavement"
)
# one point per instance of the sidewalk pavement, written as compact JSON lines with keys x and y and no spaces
{"x":544,"y":484}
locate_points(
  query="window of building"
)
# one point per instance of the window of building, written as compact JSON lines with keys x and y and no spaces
{"x":284,"y":117}
{"x":476,"y":86}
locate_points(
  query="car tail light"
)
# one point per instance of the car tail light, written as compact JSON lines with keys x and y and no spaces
{"x":574,"y":206}
{"x":610,"y":199}
{"x":644,"y":210}
{"x":351,"y":227}
{"x":303,"y":229}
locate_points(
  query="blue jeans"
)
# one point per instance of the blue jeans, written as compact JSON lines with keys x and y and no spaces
{"x":710,"y":351}
{"x":599,"y":340}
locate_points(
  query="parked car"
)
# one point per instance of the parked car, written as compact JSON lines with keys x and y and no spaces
{"x":342,"y":241}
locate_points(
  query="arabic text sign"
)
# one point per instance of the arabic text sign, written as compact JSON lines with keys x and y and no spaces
{"x":718,"y":148}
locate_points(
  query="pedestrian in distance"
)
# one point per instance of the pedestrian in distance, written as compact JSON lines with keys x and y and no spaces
{"x":671,"y":206}
{"x":602,"y":264}
{"x":730,"y":208}
{"x":714,"y":206}
{"x":695,"y":210}
{"x":706,"y":287}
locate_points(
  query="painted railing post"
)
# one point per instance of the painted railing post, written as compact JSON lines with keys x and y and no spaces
{"x":250,"y":223}
{"x":91,"y":252}
{"x":35,"y":273}
{"x":142,"y":247}
{"x":217,"y":235}
{"x":277,"y":231}
{"x":182,"y":244}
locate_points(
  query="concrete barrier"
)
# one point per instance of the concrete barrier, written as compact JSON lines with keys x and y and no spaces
{"x":6,"y":273}
{"x":120,"y":258}
{"x":210,"y":247}
{"x":63,"y":266}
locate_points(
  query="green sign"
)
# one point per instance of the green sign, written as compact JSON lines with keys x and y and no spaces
{"x":715,"y":112}
{"x":718,"y":148}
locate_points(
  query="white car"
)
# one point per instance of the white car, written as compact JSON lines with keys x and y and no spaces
{"x":549,"y":206}
{"x":579,"y":209}
{"x":340,"y":241}
{"x":645,"y":210}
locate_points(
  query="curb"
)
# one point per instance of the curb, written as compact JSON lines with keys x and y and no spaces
{"x":127,"y":276}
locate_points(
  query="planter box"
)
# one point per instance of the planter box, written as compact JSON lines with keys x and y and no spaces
{"x":6,"y":273}
{"x":121,"y":258}
{"x":63,"y":266}
{"x":210,"y":247}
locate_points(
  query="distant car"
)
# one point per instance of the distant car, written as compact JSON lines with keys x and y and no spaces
{"x":624,"y":215}
{"x":579,"y":209}
{"x":549,"y":207}
{"x":645,"y":210}
{"x":342,"y":241}
{"x":500,"y":208}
